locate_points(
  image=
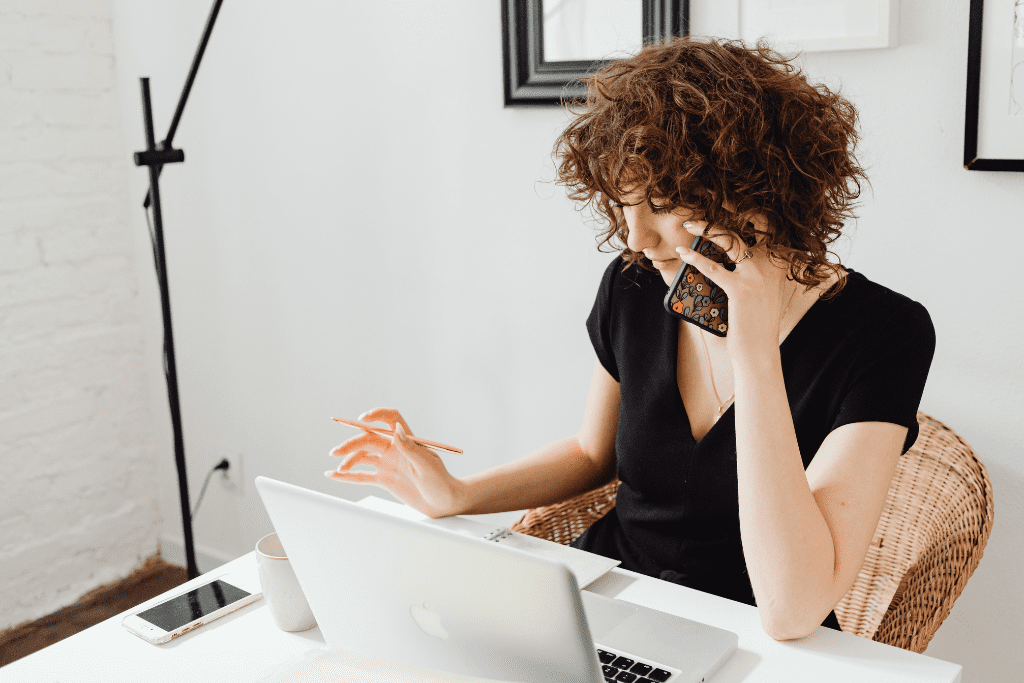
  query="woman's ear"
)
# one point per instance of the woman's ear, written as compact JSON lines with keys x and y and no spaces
{"x":762,"y":228}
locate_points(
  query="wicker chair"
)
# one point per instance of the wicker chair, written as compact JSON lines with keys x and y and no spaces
{"x":934,"y":527}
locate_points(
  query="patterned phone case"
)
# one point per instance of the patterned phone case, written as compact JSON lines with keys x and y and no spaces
{"x":695,"y":298}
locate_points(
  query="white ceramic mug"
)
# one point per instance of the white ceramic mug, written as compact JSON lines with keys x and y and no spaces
{"x":280,"y":587}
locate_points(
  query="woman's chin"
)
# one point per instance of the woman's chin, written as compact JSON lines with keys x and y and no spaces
{"x":668,"y":269}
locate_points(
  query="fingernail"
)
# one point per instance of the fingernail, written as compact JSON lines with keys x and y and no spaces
{"x":399,"y":431}
{"x":682,"y":250}
{"x":362,"y":418}
{"x":688,"y":224}
{"x":329,"y":474}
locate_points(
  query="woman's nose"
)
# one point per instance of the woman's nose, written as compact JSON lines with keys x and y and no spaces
{"x":640,"y":231}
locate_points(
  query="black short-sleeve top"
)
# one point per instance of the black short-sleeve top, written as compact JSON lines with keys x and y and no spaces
{"x":861,"y":356}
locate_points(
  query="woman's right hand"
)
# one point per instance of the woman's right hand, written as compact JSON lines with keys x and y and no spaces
{"x":410,"y":472}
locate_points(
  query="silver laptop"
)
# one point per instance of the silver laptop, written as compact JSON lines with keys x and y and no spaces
{"x":410,"y":592}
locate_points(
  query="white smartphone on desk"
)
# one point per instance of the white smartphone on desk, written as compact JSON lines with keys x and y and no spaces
{"x":191,"y":609}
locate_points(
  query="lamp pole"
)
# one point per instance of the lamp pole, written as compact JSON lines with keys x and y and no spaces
{"x":154,"y":157}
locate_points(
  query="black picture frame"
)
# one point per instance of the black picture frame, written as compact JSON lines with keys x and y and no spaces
{"x":532,"y":81}
{"x":971,"y":119}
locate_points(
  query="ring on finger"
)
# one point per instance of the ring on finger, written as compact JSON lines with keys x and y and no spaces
{"x":747,"y":254}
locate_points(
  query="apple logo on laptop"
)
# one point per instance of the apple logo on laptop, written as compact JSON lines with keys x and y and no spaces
{"x":428,"y":621}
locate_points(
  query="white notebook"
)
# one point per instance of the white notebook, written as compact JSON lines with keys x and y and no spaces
{"x":586,"y":567}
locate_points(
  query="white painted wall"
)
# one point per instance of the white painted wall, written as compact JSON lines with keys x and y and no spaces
{"x":359,"y":222}
{"x":335,"y":245}
{"x":78,"y":504}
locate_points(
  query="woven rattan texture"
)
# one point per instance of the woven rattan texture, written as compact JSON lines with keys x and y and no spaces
{"x":933,"y":529}
{"x":563,"y":522}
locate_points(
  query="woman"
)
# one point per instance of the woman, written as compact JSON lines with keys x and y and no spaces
{"x":753,"y":466}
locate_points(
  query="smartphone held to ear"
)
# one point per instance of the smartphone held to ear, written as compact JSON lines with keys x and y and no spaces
{"x":695,"y":298}
{"x":178,"y":615}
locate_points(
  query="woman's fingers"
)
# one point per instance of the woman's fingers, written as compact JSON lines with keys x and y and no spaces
{"x":352,"y":477}
{"x":360,"y":458}
{"x":411,"y":472}
{"x":714,"y":271}
{"x":364,"y":441}
{"x":369,"y":448}
{"x":416,"y":454}
{"x":387,"y":415}
{"x":409,"y":447}
{"x":727,"y":242}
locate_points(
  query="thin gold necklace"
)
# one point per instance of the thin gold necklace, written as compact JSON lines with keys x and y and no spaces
{"x":711,"y":372}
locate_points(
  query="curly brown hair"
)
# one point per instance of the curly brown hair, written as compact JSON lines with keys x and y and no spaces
{"x":696,"y":123}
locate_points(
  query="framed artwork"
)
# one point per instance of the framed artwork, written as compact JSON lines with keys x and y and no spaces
{"x":549,"y":46}
{"x":994,"y":121}
{"x":822,"y":26}
{"x":802,"y":25}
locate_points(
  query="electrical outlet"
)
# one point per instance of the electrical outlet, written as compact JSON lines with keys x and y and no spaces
{"x":233,"y":478}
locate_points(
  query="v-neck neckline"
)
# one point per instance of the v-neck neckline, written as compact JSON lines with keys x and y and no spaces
{"x":674,"y":331}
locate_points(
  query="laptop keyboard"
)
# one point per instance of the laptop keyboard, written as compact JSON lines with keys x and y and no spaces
{"x":622,"y":669}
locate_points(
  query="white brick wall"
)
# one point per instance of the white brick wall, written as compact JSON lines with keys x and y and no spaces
{"x":78,"y":503}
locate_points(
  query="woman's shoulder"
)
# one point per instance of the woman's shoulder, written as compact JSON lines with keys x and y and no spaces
{"x":868,"y":307}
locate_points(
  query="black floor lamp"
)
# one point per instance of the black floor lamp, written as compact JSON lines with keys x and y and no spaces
{"x":155,"y":156}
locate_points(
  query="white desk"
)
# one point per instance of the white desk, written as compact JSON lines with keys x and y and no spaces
{"x":246,"y":646}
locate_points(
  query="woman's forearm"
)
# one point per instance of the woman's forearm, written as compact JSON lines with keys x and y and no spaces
{"x":550,"y":474}
{"x":786,"y":543}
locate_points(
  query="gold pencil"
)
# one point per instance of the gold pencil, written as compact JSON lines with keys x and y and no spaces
{"x":383,"y":431}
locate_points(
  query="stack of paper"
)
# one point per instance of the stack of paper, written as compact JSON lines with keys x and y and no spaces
{"x":586,"y":567}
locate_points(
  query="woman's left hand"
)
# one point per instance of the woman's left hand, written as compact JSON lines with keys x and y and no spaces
{"x":757,"y":288}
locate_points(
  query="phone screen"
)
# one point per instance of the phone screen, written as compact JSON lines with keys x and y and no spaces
{"x":185,"y":608}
